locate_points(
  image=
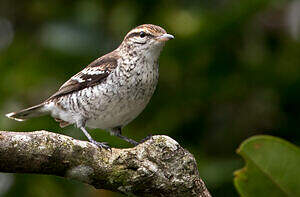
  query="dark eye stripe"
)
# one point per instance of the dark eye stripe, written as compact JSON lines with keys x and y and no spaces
{"x":134,"y":34}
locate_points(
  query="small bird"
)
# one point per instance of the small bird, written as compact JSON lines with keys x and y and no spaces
{"x":111,"y":91}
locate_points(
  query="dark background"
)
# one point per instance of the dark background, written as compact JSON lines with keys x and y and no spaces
{"x":233,"y":71}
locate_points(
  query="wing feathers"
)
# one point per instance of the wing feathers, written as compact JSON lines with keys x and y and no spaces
{"x":92,"y":75}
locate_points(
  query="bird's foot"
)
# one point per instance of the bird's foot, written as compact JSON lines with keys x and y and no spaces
{"x":131,"y":141}
{"x":145,"y":139}
{"x":101,"y":145}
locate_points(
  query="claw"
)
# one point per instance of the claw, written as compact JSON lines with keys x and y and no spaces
{"x":145,"y":139}
{"x":102,"y":145}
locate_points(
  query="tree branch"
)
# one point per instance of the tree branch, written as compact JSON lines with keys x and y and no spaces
{"x":157,"y":167}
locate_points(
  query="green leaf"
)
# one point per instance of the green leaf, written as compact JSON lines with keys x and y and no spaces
{"x":272,"y":168}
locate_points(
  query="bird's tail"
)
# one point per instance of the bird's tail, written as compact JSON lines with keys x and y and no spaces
{"x":35,"y":111}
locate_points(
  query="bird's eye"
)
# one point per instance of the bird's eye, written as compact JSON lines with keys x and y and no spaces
{"x":142,"y":34}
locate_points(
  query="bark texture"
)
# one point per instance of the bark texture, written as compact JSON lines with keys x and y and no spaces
{"x":157,"y":167}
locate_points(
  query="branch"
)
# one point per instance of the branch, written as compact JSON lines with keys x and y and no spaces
{"x":157,"y":167}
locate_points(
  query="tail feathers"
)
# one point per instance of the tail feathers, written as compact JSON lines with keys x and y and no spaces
{"x":30,"y":112}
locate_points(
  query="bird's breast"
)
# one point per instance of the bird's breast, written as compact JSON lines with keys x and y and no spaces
{"x":130,"y":92}
{"x":136,"y":74}
{"x":116,"y":101}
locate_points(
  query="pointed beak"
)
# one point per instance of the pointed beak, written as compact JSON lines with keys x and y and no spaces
{"x":165,"y":37}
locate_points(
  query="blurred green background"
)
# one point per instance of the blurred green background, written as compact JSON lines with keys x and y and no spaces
{"x":232,"y":71}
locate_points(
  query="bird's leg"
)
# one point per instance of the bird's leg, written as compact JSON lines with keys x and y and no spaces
{"x":145,"y":139}
{"x":99,"y":144}
{"x":118,"y":132}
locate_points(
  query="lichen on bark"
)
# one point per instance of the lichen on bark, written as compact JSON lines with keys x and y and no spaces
{"x":157,"y":167}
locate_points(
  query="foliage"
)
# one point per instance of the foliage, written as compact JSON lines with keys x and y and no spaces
{"x":272,"y":168}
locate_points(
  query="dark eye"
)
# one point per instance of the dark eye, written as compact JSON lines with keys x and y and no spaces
{"x":142,"y":34}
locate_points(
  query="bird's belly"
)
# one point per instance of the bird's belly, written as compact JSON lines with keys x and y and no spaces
{"x":114,"y":103}
{"x":120,"y":109}
{"x":125,"y":99}
{"x":118,"y":114}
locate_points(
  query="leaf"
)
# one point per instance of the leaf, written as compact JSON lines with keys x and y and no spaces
{"x":272,"y":168}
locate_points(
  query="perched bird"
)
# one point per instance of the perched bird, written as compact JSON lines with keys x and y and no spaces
{"x":112,"y":90}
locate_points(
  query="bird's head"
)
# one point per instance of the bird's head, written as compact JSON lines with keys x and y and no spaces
{"x":146,"y":38}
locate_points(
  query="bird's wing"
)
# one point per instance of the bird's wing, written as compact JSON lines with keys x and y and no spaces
{"x":92,"y":75}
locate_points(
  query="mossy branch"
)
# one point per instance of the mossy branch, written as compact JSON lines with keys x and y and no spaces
{"x":157,"y":167}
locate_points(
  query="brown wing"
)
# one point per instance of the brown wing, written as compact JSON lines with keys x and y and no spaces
{"x":92,"y":75}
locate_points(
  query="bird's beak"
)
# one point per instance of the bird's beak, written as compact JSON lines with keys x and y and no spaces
{"x":165,"y":37}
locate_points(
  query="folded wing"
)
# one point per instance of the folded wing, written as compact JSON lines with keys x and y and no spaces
{"x":94,"y":74}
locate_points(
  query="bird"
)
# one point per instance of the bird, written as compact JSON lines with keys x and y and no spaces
{"x":111,"y":91}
